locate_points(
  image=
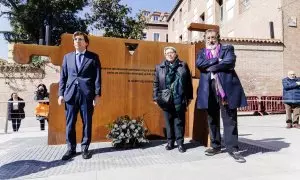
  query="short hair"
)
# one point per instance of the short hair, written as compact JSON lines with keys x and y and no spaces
{"x":169,"y":47}
{"x":291,"y":72}
{"x":79,"y":33}
{"x":210,"y":31}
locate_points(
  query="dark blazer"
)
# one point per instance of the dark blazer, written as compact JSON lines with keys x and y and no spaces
{"x":160,"y":76}
{"x":228,"y":78}
{"x":291,"y":91}
{"x":88,"y":77}
{"x":15,"y":114}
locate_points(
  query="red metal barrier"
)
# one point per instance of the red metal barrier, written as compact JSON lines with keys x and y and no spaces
{"x":272,"y":104}
{"x":253,"y":105}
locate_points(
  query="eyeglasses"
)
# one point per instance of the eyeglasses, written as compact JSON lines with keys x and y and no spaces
{"x":78,"y":39}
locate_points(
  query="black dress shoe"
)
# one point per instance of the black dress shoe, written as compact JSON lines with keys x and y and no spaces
{"x":68,"y":155}
{"x":181,"y":148}
{"x":86,"y":155}
{"x":169,"y":146}
{"x":212,"y":151}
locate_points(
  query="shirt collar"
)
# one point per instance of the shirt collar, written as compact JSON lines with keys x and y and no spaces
{"x":77,"y":52}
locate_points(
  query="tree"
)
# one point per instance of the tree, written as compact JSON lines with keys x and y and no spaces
{"x":114,"y":19}
{"x":28,"y":19}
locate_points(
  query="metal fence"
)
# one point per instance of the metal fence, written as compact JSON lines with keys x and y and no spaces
{"x":264,"y":105}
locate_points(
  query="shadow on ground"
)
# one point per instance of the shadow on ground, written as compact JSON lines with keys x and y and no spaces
{"x":250,"y":147}
{"x":189,"y":145}
{"x":21,"y":168}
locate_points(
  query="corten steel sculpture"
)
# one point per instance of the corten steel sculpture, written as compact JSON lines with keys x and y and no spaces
{"x":127,"y":75}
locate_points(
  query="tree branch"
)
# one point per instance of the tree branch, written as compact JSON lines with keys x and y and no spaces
{"x":13,"y":4}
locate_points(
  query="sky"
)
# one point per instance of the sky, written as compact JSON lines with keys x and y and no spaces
{"x":152,"y":5}
{"x":136,"y":5}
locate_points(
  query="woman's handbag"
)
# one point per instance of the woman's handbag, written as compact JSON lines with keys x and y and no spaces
{"x":42,"y":110}
{"x":165,"y":99}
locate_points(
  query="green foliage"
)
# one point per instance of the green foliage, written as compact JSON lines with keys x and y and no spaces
{"x":127,"y":132}
{"x":29,"y":17}
{"x":114,"y":19}
{"x":37,"y":61}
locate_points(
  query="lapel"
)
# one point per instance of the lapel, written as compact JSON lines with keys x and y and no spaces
{"x":73,"y":65}
{"x":85,"y":60}
{"x":222,"y":51}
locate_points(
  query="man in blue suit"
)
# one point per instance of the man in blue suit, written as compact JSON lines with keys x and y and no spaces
{"x":80,"y":89}
{"x":220,"y":90}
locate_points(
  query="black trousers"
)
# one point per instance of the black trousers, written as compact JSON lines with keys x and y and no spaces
{"x":79,"y":103}
{"x":16,"y":123}
{"x":42,"y":121}
{"x":229,"y":117}
{"x":175,"y":126}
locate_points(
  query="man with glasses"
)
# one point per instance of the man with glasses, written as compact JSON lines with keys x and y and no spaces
{"x":291,"y":99}
{"x":80,"y":89}
{"x":220,"y":90}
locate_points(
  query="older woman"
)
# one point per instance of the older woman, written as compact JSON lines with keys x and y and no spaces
{"x":173,"y":91}
{"x":15,"y":111}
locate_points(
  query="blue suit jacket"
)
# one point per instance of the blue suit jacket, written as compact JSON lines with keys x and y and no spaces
{"x":291,"y":91}
{"x":88,"y":77}
{"x":229,"y":80}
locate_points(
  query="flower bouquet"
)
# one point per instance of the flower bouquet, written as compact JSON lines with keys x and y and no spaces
{"x":125,"y":132}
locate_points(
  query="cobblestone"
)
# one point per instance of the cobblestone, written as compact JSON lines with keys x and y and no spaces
{"x":32,"y":158}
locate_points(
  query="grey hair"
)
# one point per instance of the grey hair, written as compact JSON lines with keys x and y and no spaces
{"x":210,"y":31}
{"x":169,"y":47}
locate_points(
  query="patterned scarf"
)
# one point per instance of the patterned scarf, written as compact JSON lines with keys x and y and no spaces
{"x":219,"y":89}
{"x":174,"y":82}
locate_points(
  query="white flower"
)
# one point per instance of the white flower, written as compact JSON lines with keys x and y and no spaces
{"x":133,"y":121}
{"x":124,"y":126}
{"x":115,"y":126}
{"x":132,"y":126}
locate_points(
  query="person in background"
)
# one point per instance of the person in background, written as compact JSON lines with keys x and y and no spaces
{"x":291,"y":99}
{"x":42,"y":94}
{"x":174,"y":75}
{"x":15,"y":111}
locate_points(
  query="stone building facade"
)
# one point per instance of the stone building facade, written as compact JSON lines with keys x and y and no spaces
{"x":265,"y":34}
{"x":157,"y":26}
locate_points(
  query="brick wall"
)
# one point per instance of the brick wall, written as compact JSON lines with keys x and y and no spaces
{"x":259,"y":67}
{"x":291,"y":55}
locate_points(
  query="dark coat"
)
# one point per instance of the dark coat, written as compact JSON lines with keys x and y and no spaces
{"x":228,"y":78}
{"x":88,"y":76}
{"x":41,"y":96}
{"x":160,"y":76}
{"x":15,"y":114}
{"x":291,"y":91}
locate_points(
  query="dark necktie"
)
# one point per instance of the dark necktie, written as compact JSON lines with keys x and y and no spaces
{"x":79,"y":61}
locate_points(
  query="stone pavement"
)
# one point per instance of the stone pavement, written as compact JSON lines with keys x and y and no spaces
{"x":271,"y":151}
